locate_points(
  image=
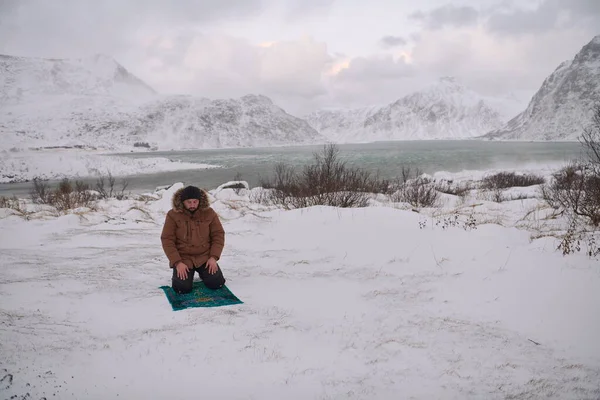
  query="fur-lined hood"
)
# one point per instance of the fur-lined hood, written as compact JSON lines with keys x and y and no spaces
{"x":177,"y":204}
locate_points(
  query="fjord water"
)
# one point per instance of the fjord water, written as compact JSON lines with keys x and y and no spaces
{"x":387,"y":158}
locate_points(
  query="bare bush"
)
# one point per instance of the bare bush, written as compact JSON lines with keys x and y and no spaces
{"x":69,"y":195}
{"x":262,"y":196}
{"x":66,"y":196}
{"x":282,"y":188}
{"x":109,"y":192}
{"x":590,"y":139}
{"x":497,"y":195}
{"x":505,"y":180}
{"x":459,"y":189}
{"x":576,"y":189}
{"x":418,"y":192}
{"x":238,"y":188}
{"x":11,"y":202}
{"x":40,"y":193}
{"x":577,"y":239}
{"x":327,"y":181}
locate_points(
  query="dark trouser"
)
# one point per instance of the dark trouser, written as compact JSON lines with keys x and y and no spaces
{"x":213,"y":281}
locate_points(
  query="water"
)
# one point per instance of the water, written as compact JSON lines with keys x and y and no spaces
{"x":387,"y":158}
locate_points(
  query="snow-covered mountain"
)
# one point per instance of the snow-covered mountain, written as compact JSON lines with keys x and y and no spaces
{"x":96,"y":102}
{"x":341,"y":125}
{"x":445,"y":109}
{"x":24,"y":79}
{"x":250,"y":121}
{"x":561,"y":108}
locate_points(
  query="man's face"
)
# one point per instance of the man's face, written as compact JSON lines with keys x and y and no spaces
{"x":191,"y":204}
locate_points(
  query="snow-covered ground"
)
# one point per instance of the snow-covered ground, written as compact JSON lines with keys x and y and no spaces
{"x":56,"y":164}
{"x":467,"y":301}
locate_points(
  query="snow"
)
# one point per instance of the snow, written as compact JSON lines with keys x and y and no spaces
{"x":233,"y":184}
{"x":338,"y":303}
{"x":56,"y":164}
{"x":96,"y":103}
{"x":26,"y":77}
{"x":444,"y":109}
{"x":544,"y":169}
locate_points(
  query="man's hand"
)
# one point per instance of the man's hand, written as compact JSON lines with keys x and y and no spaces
{"x":182,"y":270}
{"x":211,"y":264}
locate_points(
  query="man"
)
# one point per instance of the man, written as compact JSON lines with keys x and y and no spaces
{"x":193,"y":239}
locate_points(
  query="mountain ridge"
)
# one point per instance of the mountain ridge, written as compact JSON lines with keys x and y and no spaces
{"x":562,"y":106}
{"x":96,"y":102}
{"x":444,"y":109}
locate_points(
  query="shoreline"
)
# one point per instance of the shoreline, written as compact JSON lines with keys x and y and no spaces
{"x":55,"y":164}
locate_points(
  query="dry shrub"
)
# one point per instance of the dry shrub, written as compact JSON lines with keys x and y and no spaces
{"x":459,"y":189}
{"x":496,"y":195}
{"x":66,"y":196}
{"x":417,"y":191}
{"x":577,"y":239}
{"x":11,"y":202}
{"x":576,"y":189}
{"x":590,"y":139}
{"x":263,"y":196}
{"x":41,"y":192}
{"x":69,"y":195}
{"x":109,"y":192}
{"x":328,"y":181}
{"x":505,"y":180}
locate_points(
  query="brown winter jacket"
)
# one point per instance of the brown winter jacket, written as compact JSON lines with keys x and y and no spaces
{"x":192,"y":239}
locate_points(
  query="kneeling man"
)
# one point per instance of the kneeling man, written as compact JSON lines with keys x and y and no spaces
{"x":193,"y":239}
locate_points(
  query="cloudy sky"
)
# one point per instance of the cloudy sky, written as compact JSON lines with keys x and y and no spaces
{"x":308,"y":54}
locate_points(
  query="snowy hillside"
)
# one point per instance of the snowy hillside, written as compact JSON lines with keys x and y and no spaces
{"x":340,"y":125}
{"x":251,"y":121}
{"x":562,"y":106}
{"x":24,"y":79}
{"x":445,"y":109}
{"x":96,"y":103}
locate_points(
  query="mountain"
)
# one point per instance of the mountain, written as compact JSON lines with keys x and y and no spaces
{"x":24,"y":78}
{"x":445,"y":109}
{"x":95,"y":102}
{"x":561,"y":108}
{"x":339,"y":125}
{"x":183,"y":122}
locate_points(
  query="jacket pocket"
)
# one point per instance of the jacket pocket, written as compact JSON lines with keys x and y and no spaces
{"x":204,"y":230}
{"x":182,"y":231}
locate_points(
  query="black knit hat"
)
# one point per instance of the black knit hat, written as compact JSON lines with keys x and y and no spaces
{"x":190,"y":192}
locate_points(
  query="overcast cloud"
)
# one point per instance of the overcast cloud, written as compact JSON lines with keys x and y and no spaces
{"x":393,"y":41}
{"x":306,"y":54}
{"x":447,"y":15}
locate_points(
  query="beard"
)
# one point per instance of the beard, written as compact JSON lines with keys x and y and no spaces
{"x":192,"y":210}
